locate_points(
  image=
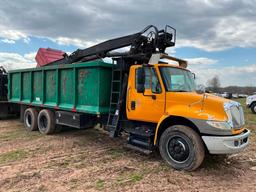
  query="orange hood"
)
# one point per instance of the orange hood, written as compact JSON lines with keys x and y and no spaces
{"x":196,"y":106}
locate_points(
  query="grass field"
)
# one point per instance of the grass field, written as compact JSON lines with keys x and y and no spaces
{"x":88,"y":160}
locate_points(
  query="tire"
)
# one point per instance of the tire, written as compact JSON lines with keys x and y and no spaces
{"x":253,"y":108}
{"x":46,"y":122}
{"x":30,"y":119}
{"x":182,"y":148}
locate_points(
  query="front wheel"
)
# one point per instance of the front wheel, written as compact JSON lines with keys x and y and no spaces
{"x":182,"y":148}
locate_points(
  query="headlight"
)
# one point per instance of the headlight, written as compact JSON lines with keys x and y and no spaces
{"x":219,"y":124}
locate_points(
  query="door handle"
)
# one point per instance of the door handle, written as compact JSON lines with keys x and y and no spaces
{"x":133,"y":105}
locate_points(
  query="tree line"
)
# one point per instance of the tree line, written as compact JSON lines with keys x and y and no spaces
{"x":214,"y":85}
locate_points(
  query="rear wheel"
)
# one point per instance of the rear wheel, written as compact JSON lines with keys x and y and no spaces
{"x":46,"y":122}
{"x":30,"y":119}
{"x":182,"y":148}
{"x":253,"y":108}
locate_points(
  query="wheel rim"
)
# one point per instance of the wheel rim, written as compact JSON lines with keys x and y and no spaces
{"x":178,"y":149}
{"x":43,"y":123}
{"x":254,"y":108}
{"x":28,"y":120}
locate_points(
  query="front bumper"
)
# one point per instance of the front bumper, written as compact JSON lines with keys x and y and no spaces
{"x":227,"y":144}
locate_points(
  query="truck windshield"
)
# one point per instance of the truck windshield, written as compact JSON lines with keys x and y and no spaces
{"x":177,"y":80}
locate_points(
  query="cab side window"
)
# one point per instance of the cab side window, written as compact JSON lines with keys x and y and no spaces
{"x":151,"y":80}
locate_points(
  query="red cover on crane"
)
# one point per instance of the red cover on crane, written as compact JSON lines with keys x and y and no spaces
{"x":45,"y":56}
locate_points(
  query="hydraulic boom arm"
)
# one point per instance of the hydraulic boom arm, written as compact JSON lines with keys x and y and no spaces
{"x":142,"y":46}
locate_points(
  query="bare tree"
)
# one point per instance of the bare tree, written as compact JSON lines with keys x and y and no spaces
{"x":214,"y":83}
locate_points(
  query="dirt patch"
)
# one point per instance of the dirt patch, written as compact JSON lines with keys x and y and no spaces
{"x":88,"y":160}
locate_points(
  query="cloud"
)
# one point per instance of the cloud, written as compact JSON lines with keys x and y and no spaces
{"x":205,"y":24}
{"x":11,"y":34}
{"x":208,"y":25}
{"x":9,"y":41}
{"x":26,"y":40}
{"x":229,"y":32}
{"x":201,"y":61}
{"x":12,"y":61}
{"x":74,"y":41}
{"x":243,"y":75}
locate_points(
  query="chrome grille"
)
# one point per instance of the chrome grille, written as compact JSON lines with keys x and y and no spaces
{"x":237,"y":116}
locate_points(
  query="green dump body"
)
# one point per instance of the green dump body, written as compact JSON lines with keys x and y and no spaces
{"x":83,"y":87}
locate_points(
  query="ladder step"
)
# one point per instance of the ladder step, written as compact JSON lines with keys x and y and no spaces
{"x":140,"y":132}
{"x":113,"y":118}
{"x":111,"y":126}
{"x":112,"y":134}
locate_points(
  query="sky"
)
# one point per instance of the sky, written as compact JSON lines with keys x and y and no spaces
{"x":217,"y":37}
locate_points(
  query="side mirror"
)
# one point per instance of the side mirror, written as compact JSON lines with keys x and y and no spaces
{"x":140,"y":80}
{"x":200,"y":89}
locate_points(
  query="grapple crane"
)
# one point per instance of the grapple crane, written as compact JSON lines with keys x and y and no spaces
{"x":142,"y":45}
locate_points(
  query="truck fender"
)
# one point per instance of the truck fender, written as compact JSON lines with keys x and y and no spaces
{"x":174,"y":120}
{"x":158,"y":125}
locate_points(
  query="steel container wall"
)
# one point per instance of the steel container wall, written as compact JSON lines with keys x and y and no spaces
{"x":83,"y":87}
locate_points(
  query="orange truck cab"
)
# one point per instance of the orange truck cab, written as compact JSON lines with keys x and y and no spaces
{"x":187,"y":123}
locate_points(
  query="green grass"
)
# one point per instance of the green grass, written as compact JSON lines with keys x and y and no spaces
{"x":250,"y":119}
{"x":129,"y":178}
{"x":13,"y":156}
{"x":136,"y":177}
{"x":115,"y":152}
{"x":10,"y":135}
{"x":42,"y":188}
{"x":100,"y":184}
{"x":19,"y":134}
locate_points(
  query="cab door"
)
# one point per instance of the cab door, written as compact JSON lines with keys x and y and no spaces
{"x":148,"y":106}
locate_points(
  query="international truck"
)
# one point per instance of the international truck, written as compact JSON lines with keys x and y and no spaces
{"x":144,"y":93}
